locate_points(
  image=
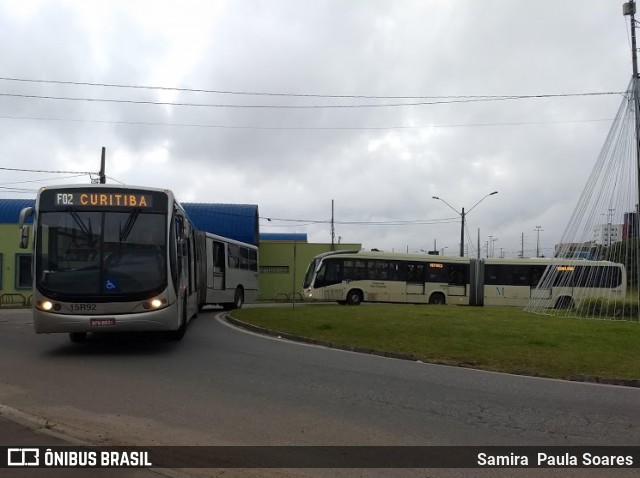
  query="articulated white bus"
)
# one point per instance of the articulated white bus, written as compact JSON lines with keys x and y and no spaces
{"x":228,"y":273}
{"x":352,"y":277}
{"x":111,"y":258}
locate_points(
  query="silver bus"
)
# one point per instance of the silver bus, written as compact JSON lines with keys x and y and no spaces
{"x":111,"y":258}
{"x":228,"y":271}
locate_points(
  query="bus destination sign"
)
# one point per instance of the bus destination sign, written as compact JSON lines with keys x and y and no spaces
{"x":110,"y":199}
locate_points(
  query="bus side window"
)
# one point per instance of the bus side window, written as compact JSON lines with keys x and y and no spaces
{"x":492,"y":274}
{"x":234,"y":256}
{"x":415,"y":272}
{"x":218,"y":256}
{"x":394,"y":271}
{"x":536,"y":275}
{"x":457,"y":274}
{"x":253,"y":260}
{"x":330,"y":273}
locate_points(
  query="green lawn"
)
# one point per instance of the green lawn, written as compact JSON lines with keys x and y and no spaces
{"x":500,"y":339}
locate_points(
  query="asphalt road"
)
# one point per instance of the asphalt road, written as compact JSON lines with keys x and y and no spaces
{"x":223,"y":386}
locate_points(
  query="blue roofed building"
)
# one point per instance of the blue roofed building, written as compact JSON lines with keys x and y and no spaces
{"x":235,"y":221}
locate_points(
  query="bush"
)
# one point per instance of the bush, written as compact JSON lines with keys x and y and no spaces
{"x":609,"y":309}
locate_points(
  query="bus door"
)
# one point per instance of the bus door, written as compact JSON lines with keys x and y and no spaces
{"x":458,"y":279}
{"x":540,"y":289}
{"x":415,"y":274}
{"x":219,"y":265}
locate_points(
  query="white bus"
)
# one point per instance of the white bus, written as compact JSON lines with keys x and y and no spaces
{"x":352,"y":277}
{"x":111,"y":258}
{"x":228,"y":273}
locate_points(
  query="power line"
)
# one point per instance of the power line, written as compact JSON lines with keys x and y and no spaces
{"x":300,"y":128}
{"x":297,"y":107}
{"x":293,"y":95}
{"x":363,"y":223}
{"x":81,"y":173}
{"x":41,"y":180}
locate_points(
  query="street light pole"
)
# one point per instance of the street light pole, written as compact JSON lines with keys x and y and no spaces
{"x":463,"y":215}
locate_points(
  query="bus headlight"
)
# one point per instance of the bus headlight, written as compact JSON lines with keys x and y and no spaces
{"x":45,"y":305}
{"x":155,"y":304}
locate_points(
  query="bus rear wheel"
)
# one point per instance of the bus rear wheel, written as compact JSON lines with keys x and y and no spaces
{"x":565,"y":303}
{"x":354,"y":297}
{"x":238,"y":300}
{"x":437,"y":299}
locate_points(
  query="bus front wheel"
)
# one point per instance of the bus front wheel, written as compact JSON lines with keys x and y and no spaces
{"x":178,"y":334}
{"x":78,"y":337}
{"x":437,"y":299}
{"x":354,"y":297}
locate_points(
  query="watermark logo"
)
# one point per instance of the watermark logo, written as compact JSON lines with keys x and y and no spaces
{"x":23,"y":457}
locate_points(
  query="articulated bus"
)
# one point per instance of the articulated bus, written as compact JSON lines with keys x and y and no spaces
{"x":229,"y":272}
{"x":111,"y":258}
{"x":352,"y":277}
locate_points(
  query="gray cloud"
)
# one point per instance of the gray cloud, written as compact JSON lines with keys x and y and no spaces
{"x":529,"y":150}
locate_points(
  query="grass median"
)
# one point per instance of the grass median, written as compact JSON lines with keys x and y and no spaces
{"x":489,"y":338}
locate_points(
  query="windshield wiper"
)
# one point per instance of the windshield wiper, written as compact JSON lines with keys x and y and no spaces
{"x":128,"y":226}
{"x":87,"y":231}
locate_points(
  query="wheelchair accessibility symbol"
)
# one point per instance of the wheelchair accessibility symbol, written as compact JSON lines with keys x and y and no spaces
{"x":111,"y":285}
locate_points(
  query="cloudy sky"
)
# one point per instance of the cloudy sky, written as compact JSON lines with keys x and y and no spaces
{"x":291,"y":104}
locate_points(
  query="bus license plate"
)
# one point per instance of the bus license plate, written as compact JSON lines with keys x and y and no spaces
{"x":102,"y":322}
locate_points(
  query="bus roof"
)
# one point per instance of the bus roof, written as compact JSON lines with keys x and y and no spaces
{"x":104,"y":186}
{"x":398,"y":256}
{"x":209,"y":235}
{"x":543,"y":261}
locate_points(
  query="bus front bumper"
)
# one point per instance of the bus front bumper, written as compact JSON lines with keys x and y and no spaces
{"x":156,"y":320}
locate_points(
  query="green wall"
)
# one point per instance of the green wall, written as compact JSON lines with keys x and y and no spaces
{"x":9,"y":254}
{"x":277,"y":266}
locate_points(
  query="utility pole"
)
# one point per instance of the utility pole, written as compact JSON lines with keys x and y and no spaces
{"x":522,"y":247}
{"x":462,"y":235}
{"x":103,"y":178}
{"x":538,"y":230}
{"x":333,"y":230}
{"x":629,"y":9}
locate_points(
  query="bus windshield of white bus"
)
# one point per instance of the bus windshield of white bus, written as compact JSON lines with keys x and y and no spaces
{"x":308,"y":277}
{"x":84,"y":252}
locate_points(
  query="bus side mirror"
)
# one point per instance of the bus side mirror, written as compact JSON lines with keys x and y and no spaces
{"x":23,"y":228}
{"x":24,"y":237}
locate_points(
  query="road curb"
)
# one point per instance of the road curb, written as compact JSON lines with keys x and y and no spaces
{"x":43,"y":426}
{"x":284,"y":335}
{"x":322,"y":343}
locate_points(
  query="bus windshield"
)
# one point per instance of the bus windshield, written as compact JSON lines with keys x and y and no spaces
{"x":308,"y":278}
{"x":85,"y":255}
